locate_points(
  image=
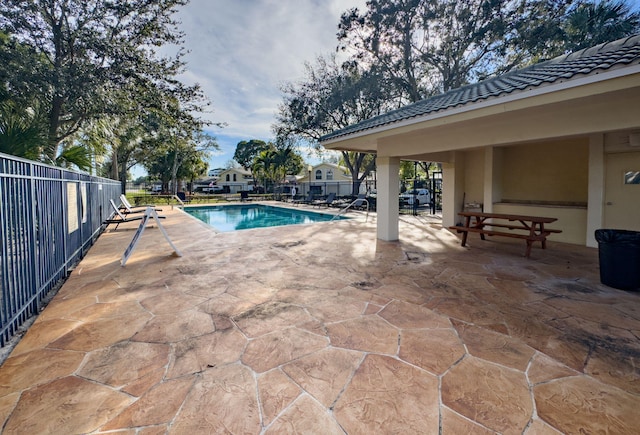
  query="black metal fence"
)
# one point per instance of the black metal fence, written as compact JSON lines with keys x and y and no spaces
{"x":49,"y":218}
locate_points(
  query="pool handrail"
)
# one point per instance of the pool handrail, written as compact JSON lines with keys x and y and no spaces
{"x":355,"y":202}
{"x":179,"y":201}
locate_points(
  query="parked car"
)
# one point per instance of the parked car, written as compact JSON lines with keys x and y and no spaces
{"x":213,"y":188}
{"x":422,"y":196}
{"x":156,"y":188}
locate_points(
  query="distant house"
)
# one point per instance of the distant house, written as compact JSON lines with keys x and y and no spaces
{"x":325,"y":178}
{"x":560,"y":138}
{"x":236,"y":180}
{"x":215,"y":172}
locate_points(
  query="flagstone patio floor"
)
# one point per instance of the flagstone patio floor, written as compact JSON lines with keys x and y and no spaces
{"x":323,"y":329}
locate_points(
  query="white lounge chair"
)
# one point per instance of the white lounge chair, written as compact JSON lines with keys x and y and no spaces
{"x":119,"y":218}
{"x":128,"y":208}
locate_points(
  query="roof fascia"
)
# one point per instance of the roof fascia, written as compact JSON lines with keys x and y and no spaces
{"x":590,"y":79}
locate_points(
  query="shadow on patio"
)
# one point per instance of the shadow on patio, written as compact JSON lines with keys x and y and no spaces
{"x":322,"y":329}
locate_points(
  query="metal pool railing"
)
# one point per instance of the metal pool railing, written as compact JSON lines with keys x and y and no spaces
{"x":358,"y":202}
{"x":49,"y":218}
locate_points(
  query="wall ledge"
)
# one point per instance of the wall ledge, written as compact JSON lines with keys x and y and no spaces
{"x":537,"y":203}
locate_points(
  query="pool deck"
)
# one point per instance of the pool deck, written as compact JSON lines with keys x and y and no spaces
{"x":323,"y":329}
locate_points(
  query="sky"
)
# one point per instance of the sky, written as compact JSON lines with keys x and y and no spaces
{"x":242,"y":51}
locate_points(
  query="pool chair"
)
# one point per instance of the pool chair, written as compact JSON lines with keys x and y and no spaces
{"x":325,"y":202}
{"x":360,"y":202}
{"x":120,"y":218}
{"x":307,"y":200}
{"x":127,"y":208}
{"x":182,"y":196}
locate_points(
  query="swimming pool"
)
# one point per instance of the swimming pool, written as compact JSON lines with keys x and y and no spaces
{"x":225,"y":218}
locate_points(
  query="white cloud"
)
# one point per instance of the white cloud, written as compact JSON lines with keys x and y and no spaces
{"x":241,"y":51}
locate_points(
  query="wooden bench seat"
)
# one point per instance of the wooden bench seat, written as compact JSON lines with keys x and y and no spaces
{"x":486,"y":222}
{"x":517,"y":227}
{"x":511,"y":227}
{"x":500,"y":233}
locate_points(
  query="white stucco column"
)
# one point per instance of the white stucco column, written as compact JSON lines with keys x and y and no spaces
{"x":388,"y":169}
{"x":452,"y":188}
{"x":595,"y":206}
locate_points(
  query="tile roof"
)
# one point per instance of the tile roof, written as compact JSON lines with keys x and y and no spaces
{"x":563,"y":68}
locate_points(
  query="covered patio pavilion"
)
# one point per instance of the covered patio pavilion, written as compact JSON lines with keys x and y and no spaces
{"x":324,"y":328}
{"x":553,"y":139}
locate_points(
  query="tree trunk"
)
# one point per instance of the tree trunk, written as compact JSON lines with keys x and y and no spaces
{"x":54,"y":121}
{"x":123,"y":179}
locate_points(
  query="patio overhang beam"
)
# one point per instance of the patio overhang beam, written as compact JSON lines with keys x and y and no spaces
{"x":575,"y":94}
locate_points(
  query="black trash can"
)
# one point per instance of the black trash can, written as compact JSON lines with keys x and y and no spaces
{"x":619,"y":254}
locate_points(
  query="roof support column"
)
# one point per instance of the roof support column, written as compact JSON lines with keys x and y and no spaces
{"x":388,"y":169}
{"x":453,"y":196}
{"x":595,"y":207}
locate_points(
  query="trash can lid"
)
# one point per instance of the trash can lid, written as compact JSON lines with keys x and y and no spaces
{"x":615,"y":236}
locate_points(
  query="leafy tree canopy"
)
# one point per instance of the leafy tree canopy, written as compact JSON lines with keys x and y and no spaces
{"x":425,"y":47}
{"x":549,"y":28}
{"x":401,"y":51}
{"x":275,"y":162}
{"x":247,"y":151}
{"x":588,"y":24}
{"x":428,"y":46}
{"x":94,"y":60}
{"x":331,"y":97}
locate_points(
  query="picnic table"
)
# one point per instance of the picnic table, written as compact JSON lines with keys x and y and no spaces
{"x":530,"y":228}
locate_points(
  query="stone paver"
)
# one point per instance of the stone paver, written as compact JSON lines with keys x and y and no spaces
{"x":496,"y":347}
{"x":324,"y":374}
{"x":368,"y":334}
{"x":583,"y":405}
{"x":435,"y":350}
{"x":271,"y":350}
{"x":455,"y":424}
{"x":277,"y":392}
{"x":44,"y":365}
{"x":305,"y":416}
{"x":195,"y":355}
{"x":323,"y":329}
{"x":124,"y":363}
{"x":157,"y":406}
{"x":387,"y":395}
{"x":223,"y":400}
{"x":493,"y":395}
{"x":66,"y":405}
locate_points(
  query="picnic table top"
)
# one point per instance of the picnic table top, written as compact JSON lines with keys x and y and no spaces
{"x":511,"y":217}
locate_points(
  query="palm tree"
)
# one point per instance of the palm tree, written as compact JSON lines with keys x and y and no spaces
{"x":265,"y":166}
{"x":282,"y":157}
{"x":22,"y":131}
{"x":594,"y":23}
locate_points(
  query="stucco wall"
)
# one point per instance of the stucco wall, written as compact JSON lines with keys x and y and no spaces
{"x":555,"y":171}
{"x":572,"y":221}
{"x":474,"y":176}
{"x":551,"y":171}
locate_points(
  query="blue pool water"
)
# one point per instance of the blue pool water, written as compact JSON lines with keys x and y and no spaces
{"x":225,"y":218}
